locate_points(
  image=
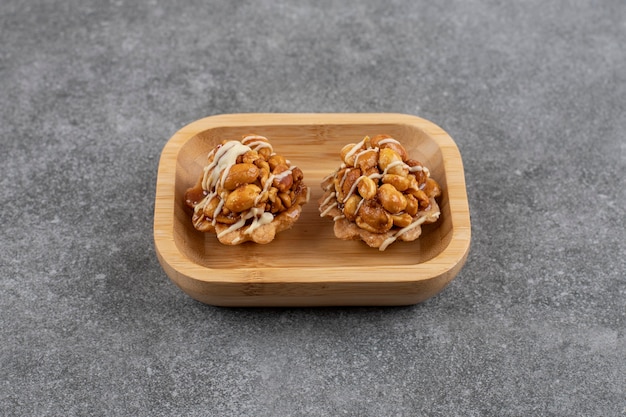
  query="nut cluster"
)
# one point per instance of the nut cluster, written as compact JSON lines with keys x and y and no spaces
{"x":380,"y":189}
{"x":244,"y":187}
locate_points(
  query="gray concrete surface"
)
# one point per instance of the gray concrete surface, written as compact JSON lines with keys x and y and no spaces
{"x":533,"y":92}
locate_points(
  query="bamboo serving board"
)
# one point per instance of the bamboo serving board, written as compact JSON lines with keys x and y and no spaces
{"x":307,"y":265}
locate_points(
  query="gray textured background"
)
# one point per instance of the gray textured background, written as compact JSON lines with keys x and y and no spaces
{"x":533,"y":92}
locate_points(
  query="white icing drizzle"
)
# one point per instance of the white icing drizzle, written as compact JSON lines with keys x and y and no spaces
{"x":358,"y":206}
{"x":266,"y":188}
{"x":259,"y":216}
{"x":257,"y":146}
{"x":327,"y":199}
{"x":235,"y":226}
{"x":393,"y":165}
{"x":341,"y":216}
{"x":353,"y":188}
{"x":419,"y":168}
{"x":217,"y":211}
{"x":251,"y":137}
{"x":329,"y":176}
{"x":256,"y":142}
{"x":200,"y":206}
{"x":356,"y":158}
{"x":211,"y":153}
{"x":263,"y":219}
{"x":400,"y":232}
{"x":388,"y":140}
{"x":327,"y":179}
{"x":345,"y":175}
{"x":284,"y":173}
{"x":356,"y":183}
{"x":328,"y":209}
{"x":225,"y":158}
{"x":355,"y":148}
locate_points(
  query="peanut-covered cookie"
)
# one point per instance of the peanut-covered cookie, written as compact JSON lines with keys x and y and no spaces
{"x":378,"y":194}
{"x":247,"y":192}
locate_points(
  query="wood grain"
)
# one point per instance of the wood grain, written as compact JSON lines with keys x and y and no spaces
{"x":307,"y":265}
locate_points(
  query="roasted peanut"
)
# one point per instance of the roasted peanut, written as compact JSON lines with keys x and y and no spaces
{"x":276,"y":160}
{"x":417,"y":170}
{"x":386,"y":141}
{"x":412,"y":205}
{"x":422,"y":198}
{"x":371,"y":172}
{"x":283,"y":179}
{"x":367,"y":188}
{"x":250,"y":156}
{"x":432,"y":188}
{"x":366,"y":159}
{"x":297,"y":174}
{"x":402,"y":220}
{"x":273,"y":194}
{"x":374,"y":218}
{"x":277,"y":206}
{"x":391,"y":163}
{"x":286,"y":199}
{"x":348,"y":154}
{"x":351,"y":207}
{"x":375,"y":141}
{"x":264,"y":176}
{"x":240,"y":174}
{"x":420,"y":177}
{"x":392,"y":200}
{"x":398,"y":181}
{"x":280,"y":168}
{"x":399,"y":149}
{"x":413,"y":184}
{"x":262,"y":164}
{"x":242,"y":198}
{"x":265,"y":153}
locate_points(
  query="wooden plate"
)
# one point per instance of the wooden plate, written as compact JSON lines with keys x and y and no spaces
{"x":307,"y":265}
